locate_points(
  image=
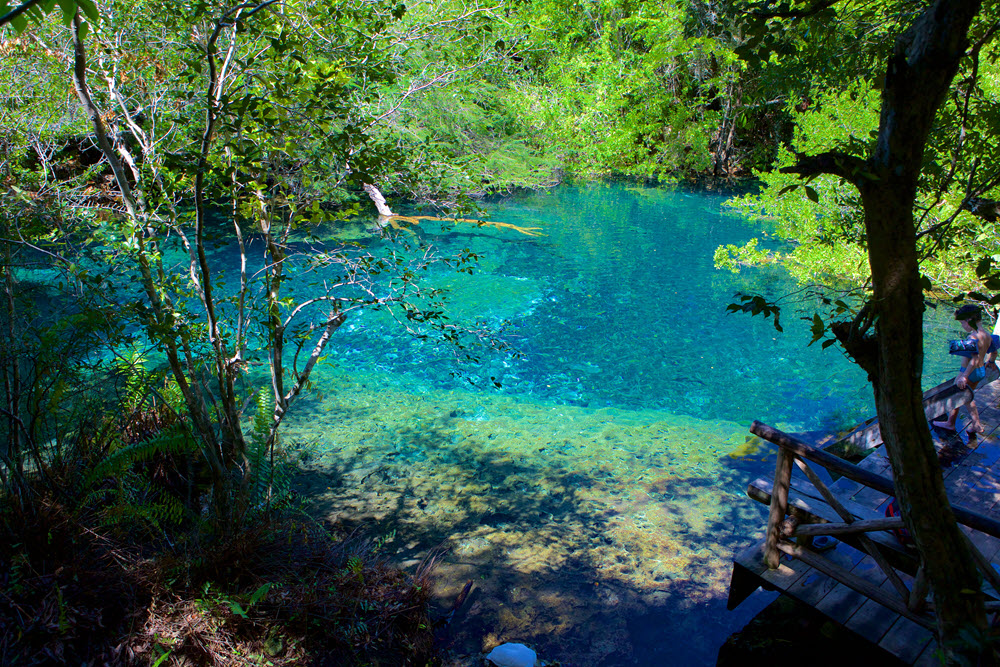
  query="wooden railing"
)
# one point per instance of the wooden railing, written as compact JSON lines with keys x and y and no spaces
{"x":865,"y":532}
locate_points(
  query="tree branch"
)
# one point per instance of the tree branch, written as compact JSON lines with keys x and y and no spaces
{"x":848,"y":167}
{"x":987,"y":209}
{"x":17,"y":11}
{"x":83,"y":92}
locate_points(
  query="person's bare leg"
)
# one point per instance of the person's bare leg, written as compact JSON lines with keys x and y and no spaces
{"x":976,"y":426}
{"x":949,"y":424}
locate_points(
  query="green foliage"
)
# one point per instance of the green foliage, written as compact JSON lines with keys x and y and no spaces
{"x":756,"y":305}
{"x":240,"y":607}
{"x":251,"y":107}
{"x":833,"y":93}
{"x":495,"y":102}
{"x":731,"y":257}
{"x":627,"y":90}
{"x":19,"y":14}
{"x":127,"y":506}
{"x":354,"y":566}
{"x":172,"y":441}
{"x":271,"y":469}
{"x":136,"y":476}
{"x":821,"y":220}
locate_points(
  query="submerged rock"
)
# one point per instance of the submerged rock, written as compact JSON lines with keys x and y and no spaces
{"x":511,"y":655}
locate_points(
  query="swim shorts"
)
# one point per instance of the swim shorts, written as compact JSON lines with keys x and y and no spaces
{"x":977,"y":375}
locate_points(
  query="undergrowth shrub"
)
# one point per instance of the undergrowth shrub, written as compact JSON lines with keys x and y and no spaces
{"x":106,"y":557}
{"x":286,"y":592}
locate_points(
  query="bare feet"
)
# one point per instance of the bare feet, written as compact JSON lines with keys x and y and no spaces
{"x":944,"y":425}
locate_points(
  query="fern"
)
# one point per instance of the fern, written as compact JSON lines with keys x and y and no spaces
{"x":354,"y":565}
{"x":129,"y":503}
{"x":270,"y":470}
{"x":263,"y":418}
{"x":167,"y":510}
{"x":170,"y":441}
{"x":116,"y":486}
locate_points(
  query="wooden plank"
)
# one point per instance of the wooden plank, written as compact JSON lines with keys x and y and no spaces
{"x":846,"y":487}
{"x":841,"y":603}
{"x":869,"y":570}
{"x":752,"y":558}
{"x":981,"y":490}
{"x":815,"y":586}
{"x":871,"y":621}
{"x":843,"y":575}
{"x":937,"y":401}
{"x":985,"y":566}
{"x":906,"y":640}
{"x":888,"y":523}
{"x":975,"y":487}
{"x":855,"y":594}
{"x":812,"y":588}
{"x":852,"y":609}
{"x":823,"y":458}
{"x":987,"y":454}
{"x":870,"y":547}
{"x":951,"y":452}
{"x":804,"y":488}
{"x":928,"y":657}
{"x":960,"y":483}
{"x":944,"y":398}
{"x":788,"y":573}
{"x":810,"y":511}
{"x":987,"y":544}
{"x":865,"y":436}
{"x":869,"y":498}
{"x":877,"y":462}
{"x":753,"y":563}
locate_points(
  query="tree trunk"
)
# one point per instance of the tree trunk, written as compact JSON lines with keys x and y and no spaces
{"x":919,"y":75}
{"x":898,"y":306}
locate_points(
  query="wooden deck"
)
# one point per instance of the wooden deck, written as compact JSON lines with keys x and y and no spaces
{"x":845,"y":582}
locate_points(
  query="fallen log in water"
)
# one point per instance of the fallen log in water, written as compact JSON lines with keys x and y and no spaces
{"x":387,"y":217}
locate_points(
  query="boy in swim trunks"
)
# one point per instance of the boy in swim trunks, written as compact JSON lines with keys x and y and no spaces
{"x":974,"y":351}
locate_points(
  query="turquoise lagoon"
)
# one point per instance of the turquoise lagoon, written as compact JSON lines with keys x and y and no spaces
{"x":595,"y":496}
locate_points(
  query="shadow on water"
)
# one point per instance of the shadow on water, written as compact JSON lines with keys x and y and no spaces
{"x":604,"y":548}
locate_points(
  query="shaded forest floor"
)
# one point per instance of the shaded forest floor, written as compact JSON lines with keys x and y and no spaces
{"x":283,"y":592}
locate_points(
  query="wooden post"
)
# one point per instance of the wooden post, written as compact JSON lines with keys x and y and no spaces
{"x":779,"y":506}
{"x":917,"y":600}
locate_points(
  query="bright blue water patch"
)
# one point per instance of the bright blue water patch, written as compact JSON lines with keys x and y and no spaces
{"x":619,"y":304}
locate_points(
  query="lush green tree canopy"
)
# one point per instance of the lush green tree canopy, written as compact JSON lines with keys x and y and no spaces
{"x":831,"y":57}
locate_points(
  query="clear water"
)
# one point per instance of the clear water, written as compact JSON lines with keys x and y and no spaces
{"x":619,"y":305}
{"x":596,"y":496}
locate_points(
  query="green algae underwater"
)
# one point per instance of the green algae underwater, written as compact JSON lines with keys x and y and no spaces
{"x":591,"y":487}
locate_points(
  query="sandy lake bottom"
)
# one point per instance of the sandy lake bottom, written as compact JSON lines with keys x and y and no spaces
{"x":595,"y":536}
